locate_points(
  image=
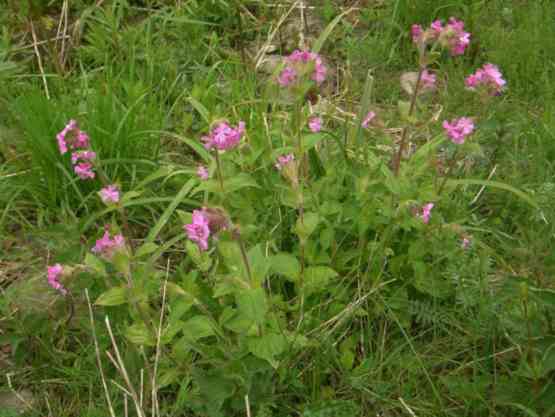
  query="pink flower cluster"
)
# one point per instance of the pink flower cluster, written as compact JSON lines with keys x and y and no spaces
{"x":224,"y":137}
{"x":488,"y":77}
{"x":428,"y":80}
{"x":458,"y":129}
{"x":71,"y":137}
{"x":106,"y":246}
{"x":199,"y":231}
{"x":54,"y":273}
{"x":451,"y":36}
{"x":284,"y":160}
{"x":315,"y":124}
{"x":426,"y":212}
{"x":206,"y":222}
{"x":369,"y":117}
{"x":465,"y":243}
{"x":202,"y":173}
{"x":109,"y":194}
{"x":298,"y":64}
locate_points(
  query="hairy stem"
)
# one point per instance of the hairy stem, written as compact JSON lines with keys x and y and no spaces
{"x":219,"y":169}
{"x":244,"y":257}
{"x":449,"y":169}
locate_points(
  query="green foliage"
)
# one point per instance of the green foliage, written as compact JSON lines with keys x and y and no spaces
{"x":323,"y":291}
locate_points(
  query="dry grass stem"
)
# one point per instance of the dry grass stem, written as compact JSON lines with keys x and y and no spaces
{"x":39,"y":59}
{"x":97,"y":353}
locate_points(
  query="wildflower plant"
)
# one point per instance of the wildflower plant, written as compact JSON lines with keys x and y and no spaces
{"x":294,"y":228}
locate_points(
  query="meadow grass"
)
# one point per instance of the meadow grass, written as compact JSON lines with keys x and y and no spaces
{"x":147,"y":79}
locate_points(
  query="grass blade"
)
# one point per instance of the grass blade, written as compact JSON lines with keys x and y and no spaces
{"x":496,"y":184}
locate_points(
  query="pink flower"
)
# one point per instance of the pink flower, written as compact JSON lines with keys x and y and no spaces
{"x":82,"y":140}
{"x":109,"y":194}
{"x":455,"y":36}
{"x":315,"y":124}
{"x":84,"y":170}
{"x":428,"y":80}
{"x":287,"y":76}
{"x":473,"y":80}
{"x":202,"y":173}
{"x":369,"y":117}
{"x":458,"y":129}
{"x":62,"y":145}
{"x":320,"y":71}
{"x":54,"y":273}
{"x":224,"y":137}
{"x":488,"y":77}
{"x":72,"y":137}
{"x":465,"y":244}
{"x":284,"y":160}
{"x":436,"y":28}
{"x":83,"y":156}
{"x":107,"y":246}
{"x":451,"y":36}
{"x":426,"y":212}
{"x":198,"y":231}
{"x":416,"y":33}
{"x":300,"y":62}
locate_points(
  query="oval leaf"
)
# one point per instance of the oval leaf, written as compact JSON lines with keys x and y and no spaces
{"x":113,"y":297}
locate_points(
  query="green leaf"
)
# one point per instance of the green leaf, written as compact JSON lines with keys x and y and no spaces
{"x":287,"y":265}
{"x":232,"y":184}
{"x":159,"y":173}
{"x":95,"y":264}
{"x":305,"y":228}
{"x":170,"y":331}
{"x":310,"y":140}
{"x":548,"y":360}
{"x":214,"y":388}
{"x":268,"y":346}
{"x":419,"y":161}
{"x":146,"y":249}
{"x":200,"y":259}
{"x":238,"y":323}
{"x":197,"y":328}
{"x":168,"y":376}
{"x":224,"y":286}
{"x":129,"y":196}
{"x":113,"y":297}
{"x":195,"y":145}
{"x":121,"y":262}
{"x":185,"y":217}
{"x":198,"y":106}
{"x":252,"y":304}
{"x":138,"y":334}
{"x":259,"y":264}
{"x":169,"y":210}
{"x":496,"y":184}
{"x":317,"y":278}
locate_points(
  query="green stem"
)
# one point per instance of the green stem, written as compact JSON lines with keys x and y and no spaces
{"x":219,"y":169}
{"x":244,"y":257}
{"x":449,"y":169}
{"x":398,"y":156}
